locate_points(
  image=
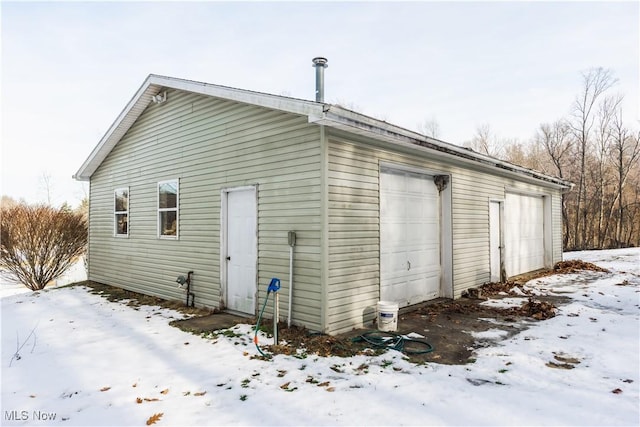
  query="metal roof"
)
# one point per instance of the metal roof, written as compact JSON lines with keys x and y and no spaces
{"x":328,"y":115}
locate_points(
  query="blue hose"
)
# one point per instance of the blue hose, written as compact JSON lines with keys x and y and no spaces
{"x":274,"y":286}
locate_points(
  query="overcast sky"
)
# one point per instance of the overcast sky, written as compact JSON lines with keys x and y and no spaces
{"x":68,"y":69}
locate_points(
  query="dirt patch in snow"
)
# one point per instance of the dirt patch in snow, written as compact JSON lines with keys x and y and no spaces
{"x":450,"y":326}
{"x":134,"y":299}
{"x":300,"y":341}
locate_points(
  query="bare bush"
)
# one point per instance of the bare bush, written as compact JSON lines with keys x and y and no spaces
{"x":39,"y":243}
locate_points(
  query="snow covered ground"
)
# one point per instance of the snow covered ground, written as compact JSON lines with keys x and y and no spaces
{"x":73,"y":358}
{"x":76,"y":273}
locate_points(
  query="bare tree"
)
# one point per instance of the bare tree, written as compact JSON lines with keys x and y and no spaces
{"x":430,"y":127}
{"x":484,"y":141}
{"x":594,"y":149}
{"x":8,"y":201}
{"x":518,"y":154}
{"x":39,"y":243}
{"x":556,"y":140}
{"x":595,"y":83}
{"x":625,"y":155}
{"x":46,"y":183}
{"x":603,"y":139}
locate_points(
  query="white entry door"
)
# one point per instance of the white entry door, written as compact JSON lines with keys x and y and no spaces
{"x":409,"y":238}
{"x":523,"y":233}
{"x":495,"y":241}
{"x":241,"y":250}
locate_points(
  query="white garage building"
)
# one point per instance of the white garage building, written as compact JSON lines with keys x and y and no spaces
{"x":205,"y":178}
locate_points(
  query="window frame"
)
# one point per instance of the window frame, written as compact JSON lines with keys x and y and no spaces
{"x":175,"y":209}
{"x":117,"y":213}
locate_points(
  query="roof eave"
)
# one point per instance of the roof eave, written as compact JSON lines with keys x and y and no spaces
{"x":118,"y":128}
{"x":318,"y":113}
{"x":349,"y":121}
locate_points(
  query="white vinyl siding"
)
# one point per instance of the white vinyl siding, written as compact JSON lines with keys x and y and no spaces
{"x":354,"y":249}
{"x":210,"y":145}
{"x":556,"y":224}
{"x":327,"y":193}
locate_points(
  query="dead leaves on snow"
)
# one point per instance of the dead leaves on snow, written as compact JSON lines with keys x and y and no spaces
{"x":139,"y":400}
{"x":575,"y":266}
{"x":324,"y":384}
{"x":146,"y":399}
{"x":619,"y":390}
{"x":286,"y":387}
{"x":154,"y":418}
{"x":539,"y":310}
{"x":566,"y":361}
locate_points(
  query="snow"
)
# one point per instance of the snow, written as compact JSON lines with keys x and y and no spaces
{"x":76,"y":273}
{"x":89,"y":361}
{"x":504,"y":302}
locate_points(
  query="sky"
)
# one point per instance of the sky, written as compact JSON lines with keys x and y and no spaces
{"x":69,"y":68}
{"x":75,"y":356}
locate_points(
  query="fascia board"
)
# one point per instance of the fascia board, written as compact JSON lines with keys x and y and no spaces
{"x":275,"y":102}
{"x":371,"y":128}
{"x":118,"y":128}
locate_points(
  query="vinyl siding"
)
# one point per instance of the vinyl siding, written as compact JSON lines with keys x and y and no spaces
{"x":556,"y":217}
{"x":354,"y":247}
{"x":210,"y":145}
{"x":330,"y":198}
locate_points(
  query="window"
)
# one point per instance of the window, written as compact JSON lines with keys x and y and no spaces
{"x":121,"y":212}
{"x":168,"y":209}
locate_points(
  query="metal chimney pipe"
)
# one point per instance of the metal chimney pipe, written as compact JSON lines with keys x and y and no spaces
{"x":320,"y":64}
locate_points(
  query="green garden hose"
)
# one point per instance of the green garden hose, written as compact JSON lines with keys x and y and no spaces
{"x":274,"y":286}
{"x":255,"y":337}
{"x":395,"y":341}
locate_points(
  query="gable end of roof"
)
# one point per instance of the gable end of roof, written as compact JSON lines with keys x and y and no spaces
{"x":154,"y":84}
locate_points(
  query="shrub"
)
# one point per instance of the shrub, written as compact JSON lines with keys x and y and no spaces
{"x":39,"y":243}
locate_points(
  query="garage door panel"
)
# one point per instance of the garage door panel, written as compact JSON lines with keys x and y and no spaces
{"x":393,"y":207}
{"x":524,"y":233}
{"x":409,"y":238}
{"x":394,"y":265}
{"x":417,"y":287}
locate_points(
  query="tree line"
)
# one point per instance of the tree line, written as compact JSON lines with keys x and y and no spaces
{"x":594,"y":149}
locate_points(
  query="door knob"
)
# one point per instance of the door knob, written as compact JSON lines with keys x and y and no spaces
{"x":228,"y":258}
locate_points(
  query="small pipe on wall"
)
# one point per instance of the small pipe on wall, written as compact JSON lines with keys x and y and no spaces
{"x":181,"y":281}
{"x":292,"y":243}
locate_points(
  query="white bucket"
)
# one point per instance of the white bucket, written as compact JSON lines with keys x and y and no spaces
{"x":387,"y":316}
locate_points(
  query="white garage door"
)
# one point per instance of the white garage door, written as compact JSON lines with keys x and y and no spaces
{"x":523,"y":233}
{"x":409,"y":238}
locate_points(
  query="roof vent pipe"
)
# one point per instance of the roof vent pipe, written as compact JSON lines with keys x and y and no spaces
{"x":320,"y":64}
